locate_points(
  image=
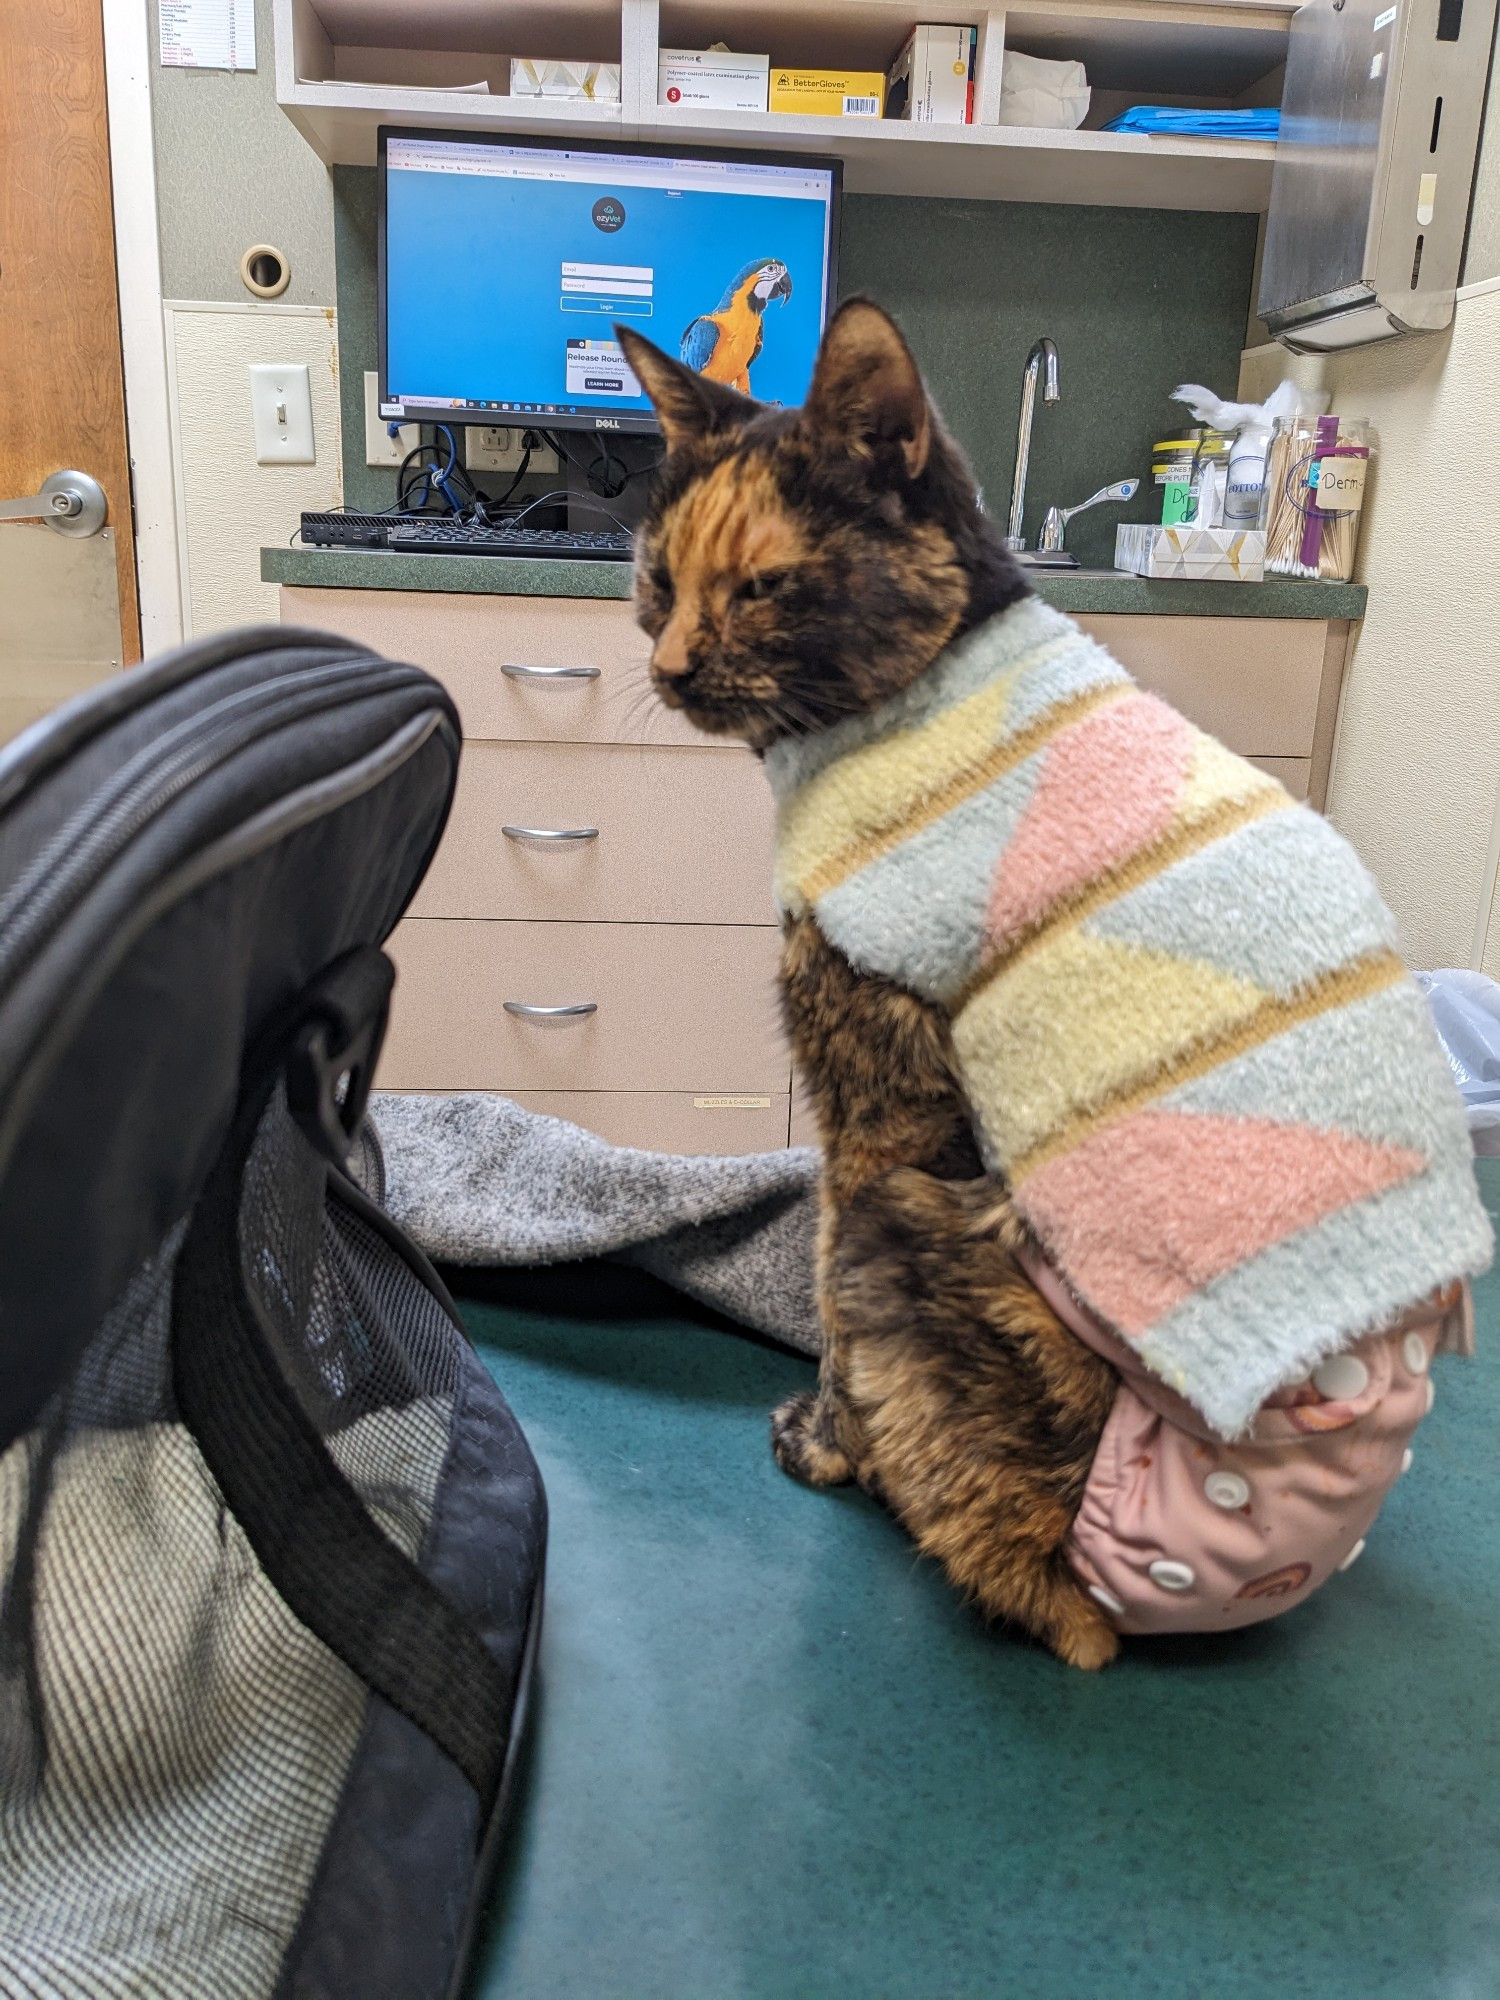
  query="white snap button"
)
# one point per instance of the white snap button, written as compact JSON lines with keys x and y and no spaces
{"x":1107,"y":1598}
{"x":1406,"y":1460}
{"x":1341,"y":1378}
{"x":1172,"y":1575}
{"x":1431,"y":1393}
{"x":1414,"y":1353}
{"x":1354,"y":1554}
{"x":1227,"y":1489}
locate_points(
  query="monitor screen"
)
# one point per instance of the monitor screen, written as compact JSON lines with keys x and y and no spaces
{"x":505,"y":264}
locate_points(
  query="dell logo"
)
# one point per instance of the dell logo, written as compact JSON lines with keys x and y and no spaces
{"x":606,"y":423}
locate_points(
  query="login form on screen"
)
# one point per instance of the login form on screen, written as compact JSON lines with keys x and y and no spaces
{"x":507,"y":268}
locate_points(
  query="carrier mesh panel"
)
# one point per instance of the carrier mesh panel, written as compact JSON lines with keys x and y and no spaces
{"x":172,"y":1741}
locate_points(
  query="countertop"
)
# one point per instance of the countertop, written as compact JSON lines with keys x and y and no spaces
{"x":1103,"y":591}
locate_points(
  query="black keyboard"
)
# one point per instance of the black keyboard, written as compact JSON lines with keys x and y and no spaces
{"x":437,"y":535}
{"x":450,"y":538}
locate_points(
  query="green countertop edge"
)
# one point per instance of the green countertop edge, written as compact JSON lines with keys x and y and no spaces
{"x":483,"y":576}
{"x":507,"y":576}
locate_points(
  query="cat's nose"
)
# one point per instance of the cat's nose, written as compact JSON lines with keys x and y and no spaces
{"x":671,"y":659}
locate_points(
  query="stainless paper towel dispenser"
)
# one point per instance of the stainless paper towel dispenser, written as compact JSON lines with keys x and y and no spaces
{"x":1380,"y":120}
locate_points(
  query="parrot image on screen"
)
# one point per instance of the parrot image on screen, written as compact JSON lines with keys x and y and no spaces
{"x":722,"y":344}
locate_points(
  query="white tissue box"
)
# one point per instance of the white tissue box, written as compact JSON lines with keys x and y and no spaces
{"x":1207,"y":555}
{"x":598,"y":83}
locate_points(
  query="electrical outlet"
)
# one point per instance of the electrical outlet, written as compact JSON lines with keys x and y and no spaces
{"x":380,"y":448}
{"x":494,"y":448}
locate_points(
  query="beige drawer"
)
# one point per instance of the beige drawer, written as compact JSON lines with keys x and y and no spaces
{"x":1294,"y":772}
{"x":684,"y":836}
{"x":680,"y":1007}
{"x":466,"y":640}
{"x":1252,"y":682}
{"x":802,"y":1128}
{"x":665,"y":1121}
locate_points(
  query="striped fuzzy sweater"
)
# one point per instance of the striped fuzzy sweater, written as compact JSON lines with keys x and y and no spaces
{"x":1186,"y":1036}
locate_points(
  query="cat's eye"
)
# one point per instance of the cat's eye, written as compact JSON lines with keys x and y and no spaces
{"x":766,"y":584}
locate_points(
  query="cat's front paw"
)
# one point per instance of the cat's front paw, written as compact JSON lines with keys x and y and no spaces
{"x":803,"y":1442}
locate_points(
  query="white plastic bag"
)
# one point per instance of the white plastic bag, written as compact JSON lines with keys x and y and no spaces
{"x":1037,"y":91}
{"x":1465,"y":1008}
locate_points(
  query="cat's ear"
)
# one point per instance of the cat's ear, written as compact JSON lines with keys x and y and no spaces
{"x":687,"y":404}
{"x":867,"y":390}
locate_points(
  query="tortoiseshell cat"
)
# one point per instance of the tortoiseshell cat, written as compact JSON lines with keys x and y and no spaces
{"x":798,"y":567}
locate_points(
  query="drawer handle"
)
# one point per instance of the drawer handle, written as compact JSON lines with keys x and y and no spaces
{"x":549,"y":1013}
{"x":550,"y":832}
{"x":516,"y":673}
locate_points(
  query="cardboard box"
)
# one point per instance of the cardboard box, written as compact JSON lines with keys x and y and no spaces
{"x":829,"y":93}
{"x":932,"y":80}
{"x":598,"y":83}
{"x":1206,"y":555}
{"x":715,"y":79}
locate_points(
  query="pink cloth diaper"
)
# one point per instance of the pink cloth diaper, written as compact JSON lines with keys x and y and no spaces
{"x":1180,"y":1531}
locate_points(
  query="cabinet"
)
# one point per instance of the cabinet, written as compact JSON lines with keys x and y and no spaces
{"x":660,"y":922}
{"x":343,"y":67}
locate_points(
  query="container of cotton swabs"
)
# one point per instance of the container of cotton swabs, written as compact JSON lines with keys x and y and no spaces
{"x":1314,"y":495}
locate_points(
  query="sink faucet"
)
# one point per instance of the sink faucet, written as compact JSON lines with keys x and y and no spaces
{"x":1043,"y":353}
{"x":1055,"y":526}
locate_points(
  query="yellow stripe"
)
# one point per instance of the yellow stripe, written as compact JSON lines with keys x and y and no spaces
{"x":878,"y":784}
{"x":975,"y":777}
{"x":1225,"y":817}
{"x":1274,"y":1016}
{"x":1079,"y":1021}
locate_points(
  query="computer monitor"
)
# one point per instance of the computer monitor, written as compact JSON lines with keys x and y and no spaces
{"x":505,"y":263}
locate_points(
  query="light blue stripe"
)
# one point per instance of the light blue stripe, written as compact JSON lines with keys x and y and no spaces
{"x":1274,"y":1318}
{"x":1070,"y":671}
{"x":1277,"y":903}
{"x":1373,"y":1069}
{"x":917,"y":914}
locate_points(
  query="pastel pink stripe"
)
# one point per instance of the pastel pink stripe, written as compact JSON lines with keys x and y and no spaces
{"x":1109,"y":785}
{"x":1156,"y":1205}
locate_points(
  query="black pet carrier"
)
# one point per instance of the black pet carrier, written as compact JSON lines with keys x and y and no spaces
{"x":271,"y":1542}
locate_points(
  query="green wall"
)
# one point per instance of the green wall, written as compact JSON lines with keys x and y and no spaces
{"x":366,"y":487}
{"x":1137,"y":301}
{"x":231,"y":170}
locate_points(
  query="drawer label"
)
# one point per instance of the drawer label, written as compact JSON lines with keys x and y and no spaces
{"x":731,"y":1103}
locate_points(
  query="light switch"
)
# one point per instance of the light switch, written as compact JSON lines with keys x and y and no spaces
{"x":281,"y":404}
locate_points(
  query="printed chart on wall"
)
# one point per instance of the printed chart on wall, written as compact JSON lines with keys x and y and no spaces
{"x":207,"y":34}
{"x":537,"y":254}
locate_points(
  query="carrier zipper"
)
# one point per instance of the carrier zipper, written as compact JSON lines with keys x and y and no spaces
{"x":85,"y":846}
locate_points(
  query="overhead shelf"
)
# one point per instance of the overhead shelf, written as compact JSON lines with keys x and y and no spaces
{"x":339,"y":91}
{"x":1005,"y":162}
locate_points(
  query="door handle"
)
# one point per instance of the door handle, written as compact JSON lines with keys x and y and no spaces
{"x":549,"y":1013}
{"x":550,"y":832}
{"x":516,"y":673}
{"x":70,"y":502}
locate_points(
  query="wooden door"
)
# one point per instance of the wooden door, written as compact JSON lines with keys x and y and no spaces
{"x":68,"y":612}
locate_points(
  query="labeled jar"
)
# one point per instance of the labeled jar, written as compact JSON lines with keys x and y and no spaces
{"x":1247,"y":477}
{"x":1172,"y":471}
{"x":1314,"y":496}
{"x":1210,"y":479}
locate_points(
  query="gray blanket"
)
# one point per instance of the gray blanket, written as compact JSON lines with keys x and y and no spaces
{"x":477,"y":1180}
